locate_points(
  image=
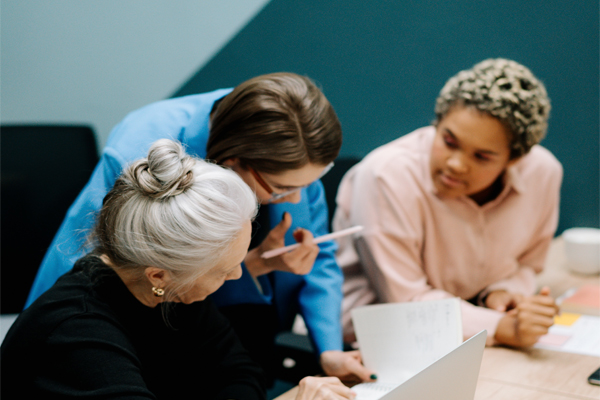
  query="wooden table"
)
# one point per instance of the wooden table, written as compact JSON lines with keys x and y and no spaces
{"x":509,"y":374}
{"x":539,"y":373}
{"x":535,"y":374}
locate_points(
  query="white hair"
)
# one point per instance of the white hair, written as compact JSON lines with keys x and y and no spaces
{"x":174,"y":212}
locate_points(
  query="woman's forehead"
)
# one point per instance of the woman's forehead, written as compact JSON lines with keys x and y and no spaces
{"x":476,"y":129}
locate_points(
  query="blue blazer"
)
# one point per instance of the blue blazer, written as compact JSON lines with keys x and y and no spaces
{"x":316,"y":296}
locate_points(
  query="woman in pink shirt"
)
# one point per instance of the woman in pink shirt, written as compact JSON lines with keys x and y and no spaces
{"x":464,"y":208}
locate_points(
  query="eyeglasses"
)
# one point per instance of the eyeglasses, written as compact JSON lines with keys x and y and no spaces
{"x":277,"y":196}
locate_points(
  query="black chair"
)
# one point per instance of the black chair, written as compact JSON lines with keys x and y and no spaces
{"x":44,"y":167}
{"x":332,"y":180}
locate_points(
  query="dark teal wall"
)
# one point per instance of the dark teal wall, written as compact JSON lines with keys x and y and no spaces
{"x":382,"y":64}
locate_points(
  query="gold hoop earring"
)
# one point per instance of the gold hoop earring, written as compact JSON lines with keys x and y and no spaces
{"x":158,"y":292}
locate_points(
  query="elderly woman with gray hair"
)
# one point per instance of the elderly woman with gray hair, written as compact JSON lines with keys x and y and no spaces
{"x":464,"y":208}
{"x":132,"y":319}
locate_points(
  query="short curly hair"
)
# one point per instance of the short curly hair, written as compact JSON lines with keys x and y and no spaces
{"x":505,"y":90}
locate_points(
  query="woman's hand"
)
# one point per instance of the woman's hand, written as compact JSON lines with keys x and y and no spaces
{"x":312,"y":388}
{"x":346,"y":365}
{"x":501,"y":300}
{"x":523,"y":325}
{"x":298,"y":261}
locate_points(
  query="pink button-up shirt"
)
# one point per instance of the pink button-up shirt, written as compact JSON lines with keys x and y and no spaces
{"x":418,"y":246}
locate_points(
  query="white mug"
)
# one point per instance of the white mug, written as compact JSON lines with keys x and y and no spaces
{"x":582,"y":249}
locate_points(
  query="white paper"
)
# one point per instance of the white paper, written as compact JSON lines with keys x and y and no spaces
{"x":400,"y":339}
{"x":582,"y":336}
{"x":372,"y":390}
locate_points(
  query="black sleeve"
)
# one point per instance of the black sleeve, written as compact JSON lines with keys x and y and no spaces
{"x":89,"y":356}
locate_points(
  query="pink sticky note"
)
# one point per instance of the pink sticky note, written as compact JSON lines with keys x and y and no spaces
{"x":552,"y":339}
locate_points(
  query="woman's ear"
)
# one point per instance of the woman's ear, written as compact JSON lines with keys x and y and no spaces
{"x":158,"y":277}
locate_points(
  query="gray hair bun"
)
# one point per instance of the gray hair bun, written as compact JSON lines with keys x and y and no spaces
{"x":166,"y":172}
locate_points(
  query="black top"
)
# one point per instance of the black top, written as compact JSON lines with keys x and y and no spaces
{"x":89,"y":337}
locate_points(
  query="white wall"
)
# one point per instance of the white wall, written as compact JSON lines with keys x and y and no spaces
{"x":93,"y":61}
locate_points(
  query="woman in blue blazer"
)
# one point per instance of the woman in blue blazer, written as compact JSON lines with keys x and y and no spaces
{"x":279,"y":133}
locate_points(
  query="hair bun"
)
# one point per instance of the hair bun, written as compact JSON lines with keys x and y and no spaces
{"x":166,"y":172}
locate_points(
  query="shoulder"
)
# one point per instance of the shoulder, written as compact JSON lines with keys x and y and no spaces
{"x":76,"y":294}
{"x":408,"y":151}
{"x":66,"y":309}
{"x":132,"y":137}
{"x":185,"y":105}
{"x":539,"y":166}
{"x":393,"y":180}
{"x":401,"y":165}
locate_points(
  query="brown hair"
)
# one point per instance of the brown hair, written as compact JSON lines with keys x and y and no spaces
{"x":275,"y":122}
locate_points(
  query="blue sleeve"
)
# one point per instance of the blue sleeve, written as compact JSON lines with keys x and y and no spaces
{"x":69,"y":243}
{"x":321,"y":297}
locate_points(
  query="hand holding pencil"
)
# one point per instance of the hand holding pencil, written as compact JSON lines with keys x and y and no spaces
{"x":297,"y":259}
{"x":320,"y":239}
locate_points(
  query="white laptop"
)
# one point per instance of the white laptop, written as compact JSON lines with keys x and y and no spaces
{"x":451,"y":377}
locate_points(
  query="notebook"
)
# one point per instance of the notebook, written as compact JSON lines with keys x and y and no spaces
{"x":583,"y":300}
{"x":452,"y":377}
{"x":397,"y":340}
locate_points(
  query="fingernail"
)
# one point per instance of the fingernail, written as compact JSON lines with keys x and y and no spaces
{"x":283,"y":216}
{"x":373,"y":376}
